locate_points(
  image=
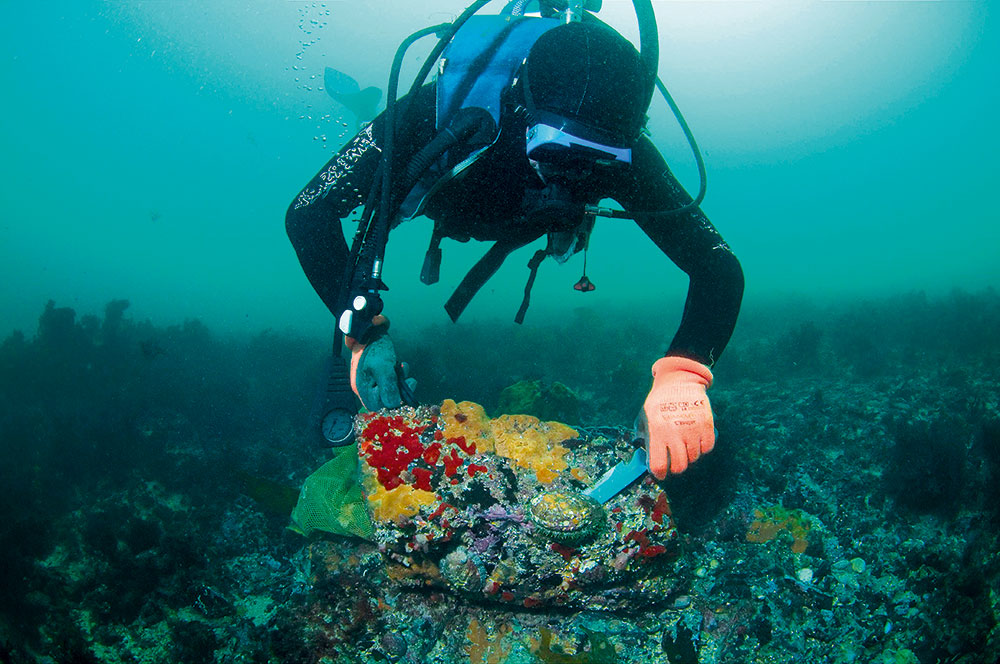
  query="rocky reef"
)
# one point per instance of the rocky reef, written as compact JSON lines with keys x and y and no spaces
{"x":493,"y":510}
{"x":848,"y":513}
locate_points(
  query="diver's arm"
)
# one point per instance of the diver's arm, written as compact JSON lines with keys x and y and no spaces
{"x":696,"y":247}
{"x":677,"y":413}
{"x":313,"y":218}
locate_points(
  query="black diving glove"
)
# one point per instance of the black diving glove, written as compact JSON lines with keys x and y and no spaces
{"x":376,"y":376}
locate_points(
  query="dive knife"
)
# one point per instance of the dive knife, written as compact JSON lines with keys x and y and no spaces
{"x":619,"y":477}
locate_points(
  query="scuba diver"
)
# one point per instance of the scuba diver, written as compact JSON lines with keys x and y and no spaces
{"x":530,"y":122}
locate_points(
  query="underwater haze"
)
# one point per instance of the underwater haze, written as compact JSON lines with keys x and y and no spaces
{"x":166,"y":490}
{"x":151,"y":149}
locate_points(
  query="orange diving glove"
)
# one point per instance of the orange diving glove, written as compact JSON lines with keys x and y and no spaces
{"x":678,"y":415}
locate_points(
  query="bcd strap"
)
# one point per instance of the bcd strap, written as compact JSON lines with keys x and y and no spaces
{"x":533,"y":264}
{"x":431,"y":271}
{"x":481,"y":272}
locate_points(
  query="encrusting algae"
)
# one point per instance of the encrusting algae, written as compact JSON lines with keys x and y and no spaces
{"x":770,"y":522}
{"x":484,"y":650}
{"x":598,"y":650}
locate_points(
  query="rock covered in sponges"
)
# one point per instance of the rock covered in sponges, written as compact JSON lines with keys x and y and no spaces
{"x":492,"y":509}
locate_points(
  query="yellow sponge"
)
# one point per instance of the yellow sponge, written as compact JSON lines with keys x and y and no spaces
{"x":532,"y":444}
{"x":402,"y":501}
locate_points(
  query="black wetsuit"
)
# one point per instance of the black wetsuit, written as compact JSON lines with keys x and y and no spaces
{"x":491,"y":195}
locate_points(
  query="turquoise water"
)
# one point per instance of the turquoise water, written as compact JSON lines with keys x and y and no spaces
{"x":151,"y":149}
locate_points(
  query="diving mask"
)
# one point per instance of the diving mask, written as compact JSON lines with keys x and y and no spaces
{"x":546,"y":143}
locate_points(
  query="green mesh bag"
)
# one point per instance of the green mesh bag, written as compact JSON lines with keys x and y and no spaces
{"x":331,"y":500}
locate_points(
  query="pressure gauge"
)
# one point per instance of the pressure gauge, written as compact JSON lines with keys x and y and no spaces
{"x":338,"y":427}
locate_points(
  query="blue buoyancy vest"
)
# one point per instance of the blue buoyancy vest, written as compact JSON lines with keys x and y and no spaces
{"x":474,"y":70}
